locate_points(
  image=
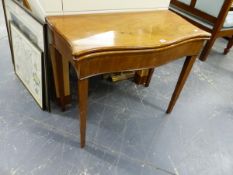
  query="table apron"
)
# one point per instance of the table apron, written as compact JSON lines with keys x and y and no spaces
{"x":118,"y":61}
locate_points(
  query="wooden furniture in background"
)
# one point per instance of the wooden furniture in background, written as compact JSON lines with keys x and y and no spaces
{"x":230,"y":39}
{"x":229,"y":45}
{"x":122,"y":42}
{"x":26,"y":4}
{"x":209,"y":15}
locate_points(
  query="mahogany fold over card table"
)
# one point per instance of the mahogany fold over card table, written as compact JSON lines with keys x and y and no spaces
{"x":115,"y":42}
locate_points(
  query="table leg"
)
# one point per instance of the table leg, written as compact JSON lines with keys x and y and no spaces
{"x":83,"y":100}
{"x":57,"y":74}
{"x":141,"y":76}
{"x":60,"y":78}
{"x":151,"y":71}
{"x":188,"y":64}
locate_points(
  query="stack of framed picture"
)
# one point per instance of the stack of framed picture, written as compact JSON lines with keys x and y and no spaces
{"x":27,"y":39}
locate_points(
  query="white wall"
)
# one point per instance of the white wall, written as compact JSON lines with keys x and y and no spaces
{"x":72,"y":6}
{"x":89,"y":5}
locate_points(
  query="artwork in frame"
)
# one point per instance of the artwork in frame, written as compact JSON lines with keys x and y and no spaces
{"x":28,"y":64}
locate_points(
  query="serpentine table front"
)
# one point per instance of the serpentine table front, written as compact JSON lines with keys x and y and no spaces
{"x":114,"y":42}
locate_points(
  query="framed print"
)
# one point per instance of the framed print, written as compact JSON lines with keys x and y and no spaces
{"x":28,"y":63}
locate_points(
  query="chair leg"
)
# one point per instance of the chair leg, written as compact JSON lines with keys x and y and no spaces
{"x":83,"y":102}
{"x":207,"y":49}
{"x":229,"y":45}
{"x":187,"y":67}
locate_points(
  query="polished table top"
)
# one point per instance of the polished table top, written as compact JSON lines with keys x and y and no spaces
{"x":121,"y":31}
